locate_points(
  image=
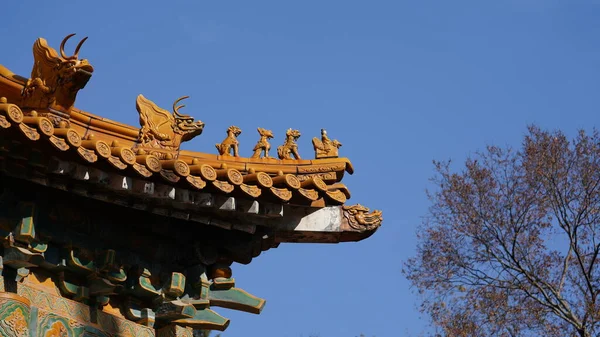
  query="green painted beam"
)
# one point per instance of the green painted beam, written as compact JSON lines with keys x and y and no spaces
{"x":205,"y":319}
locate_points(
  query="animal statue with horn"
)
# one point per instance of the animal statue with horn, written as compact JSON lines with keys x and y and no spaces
{"x":162,"y":130}
{"x":55,"y":79}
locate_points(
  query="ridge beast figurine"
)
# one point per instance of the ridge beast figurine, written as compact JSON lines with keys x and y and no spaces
{"x":263,"y":143}
{"x":55,"y":80}
{"x":230,"y":143}
{"x":162,"y":130}
{"x":289,"y":147}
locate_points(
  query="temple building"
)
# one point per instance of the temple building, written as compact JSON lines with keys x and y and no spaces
{"x":114,"y":230}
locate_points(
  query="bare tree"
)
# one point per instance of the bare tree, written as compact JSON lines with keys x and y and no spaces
{"x":510,"y":244}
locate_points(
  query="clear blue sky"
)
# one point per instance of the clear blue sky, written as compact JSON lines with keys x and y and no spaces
{"x":399,"y":83}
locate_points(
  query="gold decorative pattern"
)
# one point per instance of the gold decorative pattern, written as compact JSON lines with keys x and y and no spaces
{"x":142,"y":170}
{"x":55,"y":80}
{"x":337,"y":196}
{"x":57,"y":329}
{"x":4,"y":123}
{"x":127,"y":156}
{"x":230,"y":143}
{"x":87,"y":155}
{"x":264,"y":180}
{"x":208,"y":173}
{"x":73,"y":138}
{"x":235,"y":177}
{"x":325,"y":147}
{"x":123,"y":153}
{"x":70,"y":136}
{"x":117,"y":163}
{"x":359,"y":218}
{"x":309,"y":193}
{"x":14,"y":315}
{"x":118,"y":326}
{"x":263,"y":143}
{"x":45,"y":126}
{"x":58,"y":143}
{"x":328,"y":176}
{"x":321,"y":168}
{"x":252,"y":191}
{"x":197,"y":182}
{"x":15,"y":324}
{"x":289,"y":147}
{"x":14,"y":113}
{"x":223,"y":186}
{"x":181,"y":168}
{"x":315,"y":182}
{"x":99,"y":147}
{"x":151,"y":162}
{"x":319,"y":184}
{"x":56,"y":304}
{"x":30,"y":133}
{"x":291,"y":181}
{"x":163,"y":130}
{"x":281,"y":193}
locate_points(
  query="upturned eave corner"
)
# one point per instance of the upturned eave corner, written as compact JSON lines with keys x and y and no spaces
{"x":205,"y":211}
{"x":331,"y":224}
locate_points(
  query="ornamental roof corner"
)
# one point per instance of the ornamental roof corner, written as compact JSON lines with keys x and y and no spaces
{"x":206,"y":210}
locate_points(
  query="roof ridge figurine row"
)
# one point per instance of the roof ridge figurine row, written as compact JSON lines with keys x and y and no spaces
{"x":56,"y":78}
{"x":324,"y":147}
{"x":165,"y":130}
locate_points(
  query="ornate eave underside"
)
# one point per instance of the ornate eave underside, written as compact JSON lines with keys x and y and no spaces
{"x":138,"y":263}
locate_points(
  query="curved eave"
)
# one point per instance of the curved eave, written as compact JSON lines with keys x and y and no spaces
{"x":272,"y":165}
{"x":326,"y":225}
{"x":304,"y":182}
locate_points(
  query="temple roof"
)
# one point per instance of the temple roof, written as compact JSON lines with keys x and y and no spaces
{"x":57,"y":161}
{"x":147,"y":161}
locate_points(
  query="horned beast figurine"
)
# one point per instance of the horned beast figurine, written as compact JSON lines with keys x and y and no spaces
{"x":230,"y":143}
{"x":55,"y":79}
{"x":162,"y":130}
